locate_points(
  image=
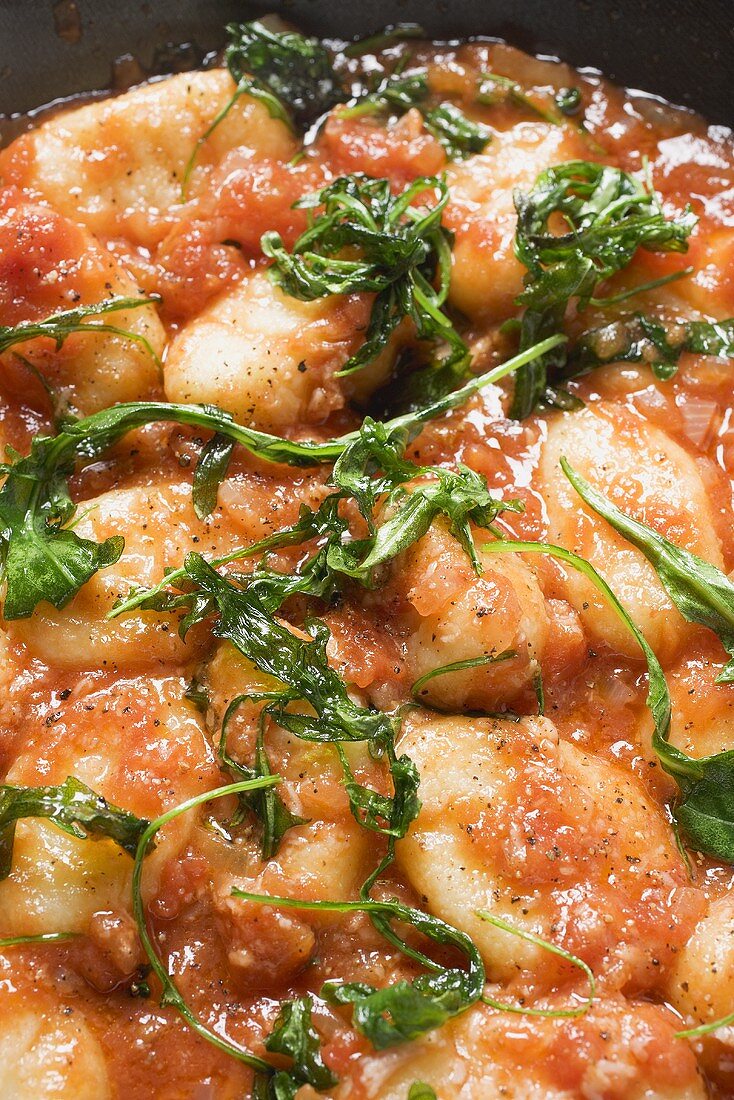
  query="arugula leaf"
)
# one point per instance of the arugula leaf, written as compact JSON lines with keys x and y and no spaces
{"x":73,"y":807}
{"x":41,"y":937}
{"x":401,"y":92}
{"x":609,"y":215}
{"x":458,"y":666}
{"x":295,"y":69}
{"x":459,"y":135}
{"x":265,"y":803}
{"x":402,"y":247}
{"x":553,"y":949}
{"x":211,"y":470}
{"x":397,"y":92}
{"x":645,"y":339}
{"x":388,"y":36}
{"x":462,"y":496}
{"x":405,"y":1010}
{"x":302,"y":666}
{"x":700,"y":591}
{"x":171,"y":995}
{"x":494,"y":88}
{"x":41,"y":556}
{"x":59,"y":326}
{"x":421,"y":1091}
{"x":568,"y":100}
{"x":295,"y":1037}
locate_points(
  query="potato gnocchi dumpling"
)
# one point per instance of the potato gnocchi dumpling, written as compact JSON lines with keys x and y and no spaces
{"x":138,"y":742}
{"x":49,"y":264}
{"x":359,"y":810}
{"x":117,"y":166}
{"x":50,"y":1051}
{"x":652,"y":478}
{"x":515,"y":821}
{"x":268,"y":359}
{"x":456,"y":615}
{"x":629,"y":1053}
{"x":159,"y":526}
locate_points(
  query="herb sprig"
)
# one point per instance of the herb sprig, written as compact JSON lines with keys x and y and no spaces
{"x":605,"y":215}
{"x":71,"y":806}
{"x":651,"y":340}
{"x":43,"y":558}
{"x":400,"y":92}
{"x":402,"y":252}
{"x":59,"y":326}
{"x":404,"y":1010}
{"x":295,"y":69}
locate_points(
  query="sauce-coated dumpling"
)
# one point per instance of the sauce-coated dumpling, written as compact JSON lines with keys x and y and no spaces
{"x":648,"y":475}
{"x":456,"y":615}
{"x":159,"y":526}
{"x":267,"y":358}
{"x":620,"y":1051}
{"x":515,"y":821}
{"x":406,"y":831}
{"x":139,"y":742}
{"x":48,"y":263}
{"x":48,"y":1052}
{"x":118,"y":166}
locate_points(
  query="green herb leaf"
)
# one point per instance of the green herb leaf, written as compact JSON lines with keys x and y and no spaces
{"x":265,"y":802}
{"x":420,"y":1091}
{"x":246,"y":619}
{"x":301,"y":665}
{"x":405,"y":1010}
{"x":568,"y":100}
{"x":704,"y":595}
{"x":609,"y":215}
{"x":461,"y":496}
{"x":40,"y":557}
{"x":59,"y":326}
{"x":210,"y":472}
{"x":458,"y":666}
{"x":403,"y":250}
{"x":71,"y":806}
{"x":295,"y":1037}
{"x":551,"y":948}
{"x":645,"y":339}
{"x":41,"y":937}
{"x":401,"y":92}
{"x":394,"y":32}
{"x":459,"y":135}
{"x":495,"y":88}
{"x":296,"y":70}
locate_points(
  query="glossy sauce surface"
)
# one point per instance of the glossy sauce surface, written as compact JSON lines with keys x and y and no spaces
{"x":560,"y":823}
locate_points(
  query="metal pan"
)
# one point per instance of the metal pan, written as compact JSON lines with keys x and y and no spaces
{"x":682,"y":50}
